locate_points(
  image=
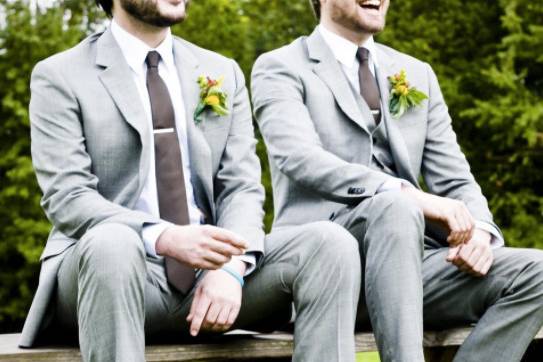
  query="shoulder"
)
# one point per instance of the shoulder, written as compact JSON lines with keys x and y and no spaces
{"x":204,"y":56}
{"x":401,"y":58}
{"x":419,"y":72}
{"x":288,"y":56}
{"x":70,"y":60}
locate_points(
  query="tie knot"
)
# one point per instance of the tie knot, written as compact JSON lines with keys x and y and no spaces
{"x":363,"y":54}
{"x":152,"y":59}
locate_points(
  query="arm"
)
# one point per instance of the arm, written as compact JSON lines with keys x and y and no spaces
{"x":70,"y":200}
{"x":444,"y":166}
{"x":293,"y":143}
{"x":447,"y":174}
{"x":239,"y":195}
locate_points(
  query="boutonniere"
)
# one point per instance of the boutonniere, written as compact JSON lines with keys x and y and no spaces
{"x":211,"y":97}
{"x":403,"y":96}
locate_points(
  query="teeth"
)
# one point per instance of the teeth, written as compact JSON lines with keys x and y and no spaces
{"x":376,"y":3}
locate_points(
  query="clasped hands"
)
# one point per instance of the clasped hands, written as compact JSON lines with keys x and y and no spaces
{"x":470,"y":247}
{"x":217,"y":298}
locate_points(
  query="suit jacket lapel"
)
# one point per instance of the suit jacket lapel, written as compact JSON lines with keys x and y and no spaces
{"x":328,"y":69}
{"x":117,"y":79}
{"x":396,"y":140}
{"x":200,"y":152}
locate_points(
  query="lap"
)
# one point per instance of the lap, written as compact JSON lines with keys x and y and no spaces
{"x":452,"y":297}
{"x":267,"y":295}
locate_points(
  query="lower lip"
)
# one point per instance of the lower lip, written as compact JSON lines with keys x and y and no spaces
{"x":370,"y":10}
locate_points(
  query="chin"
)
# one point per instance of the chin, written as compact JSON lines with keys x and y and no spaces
{"x":372,"y":27}
{"x":173,"y":9}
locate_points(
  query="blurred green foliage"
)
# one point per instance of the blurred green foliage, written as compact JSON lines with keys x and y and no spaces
{"x":487,"y":54}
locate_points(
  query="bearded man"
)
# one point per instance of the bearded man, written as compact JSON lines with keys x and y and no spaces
{"x":350,"y":126}
{"x":140,"y":138}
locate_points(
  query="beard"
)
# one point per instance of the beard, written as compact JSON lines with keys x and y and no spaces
{"x":351,"y":20}
{"x":147,"y":11}
{"x":369,"y":27}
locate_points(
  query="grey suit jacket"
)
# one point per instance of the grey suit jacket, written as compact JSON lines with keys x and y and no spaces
{"x":90,"y":149}
{"x":320,"y":148}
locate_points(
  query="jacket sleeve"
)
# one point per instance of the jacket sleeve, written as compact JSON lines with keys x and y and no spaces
{"x":239,"y":193}
{"x":445,"y":169}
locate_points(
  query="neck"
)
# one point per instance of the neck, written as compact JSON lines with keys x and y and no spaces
{"x":151,"y":35}
{"x":355,"y":37}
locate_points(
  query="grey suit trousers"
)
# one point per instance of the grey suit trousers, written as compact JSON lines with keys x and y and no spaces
{"x":408,"y":283}
{"x":116,"y":297}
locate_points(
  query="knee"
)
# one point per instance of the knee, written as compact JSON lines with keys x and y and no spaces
{"x":534,"y":265}
{"x":396,"y":210}
{"x":334,"y":243}
{"x":111,"y":249}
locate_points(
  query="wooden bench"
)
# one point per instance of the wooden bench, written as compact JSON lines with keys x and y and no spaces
{"x":246,"y":346}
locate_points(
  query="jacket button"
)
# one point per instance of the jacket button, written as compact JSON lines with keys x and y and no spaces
{"x":356,"y":190}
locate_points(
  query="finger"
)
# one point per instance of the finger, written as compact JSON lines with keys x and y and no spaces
{"x":453,"y":226}
{"x":480,"y":266}
{"x":234,"y":312}
{"x":222,"y":319}
{"x":194,"y":303}
{"x":200,"y":312}
{"x":227,"y":236}
{"x":216,"y":258}
{"x":459,"y":260}
{"x":476,"y":255}
{"x":453,"y":251}
{"x":222,"y":248}
{"x":465,"y":252}
{"x":470,"y":223}
{"x":486,"y":268}
{"x":211,"y":316}
{"x":463,"y":226}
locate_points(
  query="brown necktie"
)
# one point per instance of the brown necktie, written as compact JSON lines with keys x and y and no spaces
{"x":172,"y":197}
{"x":368,"y":85}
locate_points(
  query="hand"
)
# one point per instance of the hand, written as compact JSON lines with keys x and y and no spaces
{"x":476,"y":256}
{"x":216,"y":302}
{"x":453,"y":214}
{"x":200,"y":246}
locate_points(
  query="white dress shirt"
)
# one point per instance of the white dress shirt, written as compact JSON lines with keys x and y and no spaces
{"x":345,"y":53}
{"x":135,"y":51}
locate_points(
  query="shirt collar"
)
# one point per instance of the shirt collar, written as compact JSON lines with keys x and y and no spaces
{"x":135,"y":51}
{"x":344,"y":50}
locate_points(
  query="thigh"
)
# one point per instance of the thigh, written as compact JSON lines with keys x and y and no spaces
{"x":454,"y":298}
{"x":297,"y":261}
{"x":268,"y":291}
{"x":267,"y":297}
{"x":160,"y":299}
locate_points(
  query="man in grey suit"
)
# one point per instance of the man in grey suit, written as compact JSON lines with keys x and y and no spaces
{"x":132,"y":159}
{"x":336,"y":153}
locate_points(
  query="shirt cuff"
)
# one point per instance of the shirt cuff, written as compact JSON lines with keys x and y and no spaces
{"x":496,"y":240}
{"x":393,"y":184}
{"x":250,"y":261}
{"x":150,"y":235}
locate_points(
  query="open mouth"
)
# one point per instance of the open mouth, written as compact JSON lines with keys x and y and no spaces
{"x":370,"y":4}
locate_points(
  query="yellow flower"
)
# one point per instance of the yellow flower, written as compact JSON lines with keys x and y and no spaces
{"x":402,"y":89}
{"x":212,"y":100}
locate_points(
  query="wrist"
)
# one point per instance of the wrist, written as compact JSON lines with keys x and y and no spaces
{"x":238,"y":265}
{"x":163,"y":242}
{"x":482,"y":235}
{"x":233,"y":273}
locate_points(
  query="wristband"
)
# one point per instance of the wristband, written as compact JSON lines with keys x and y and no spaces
{"x":235,"y":274}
